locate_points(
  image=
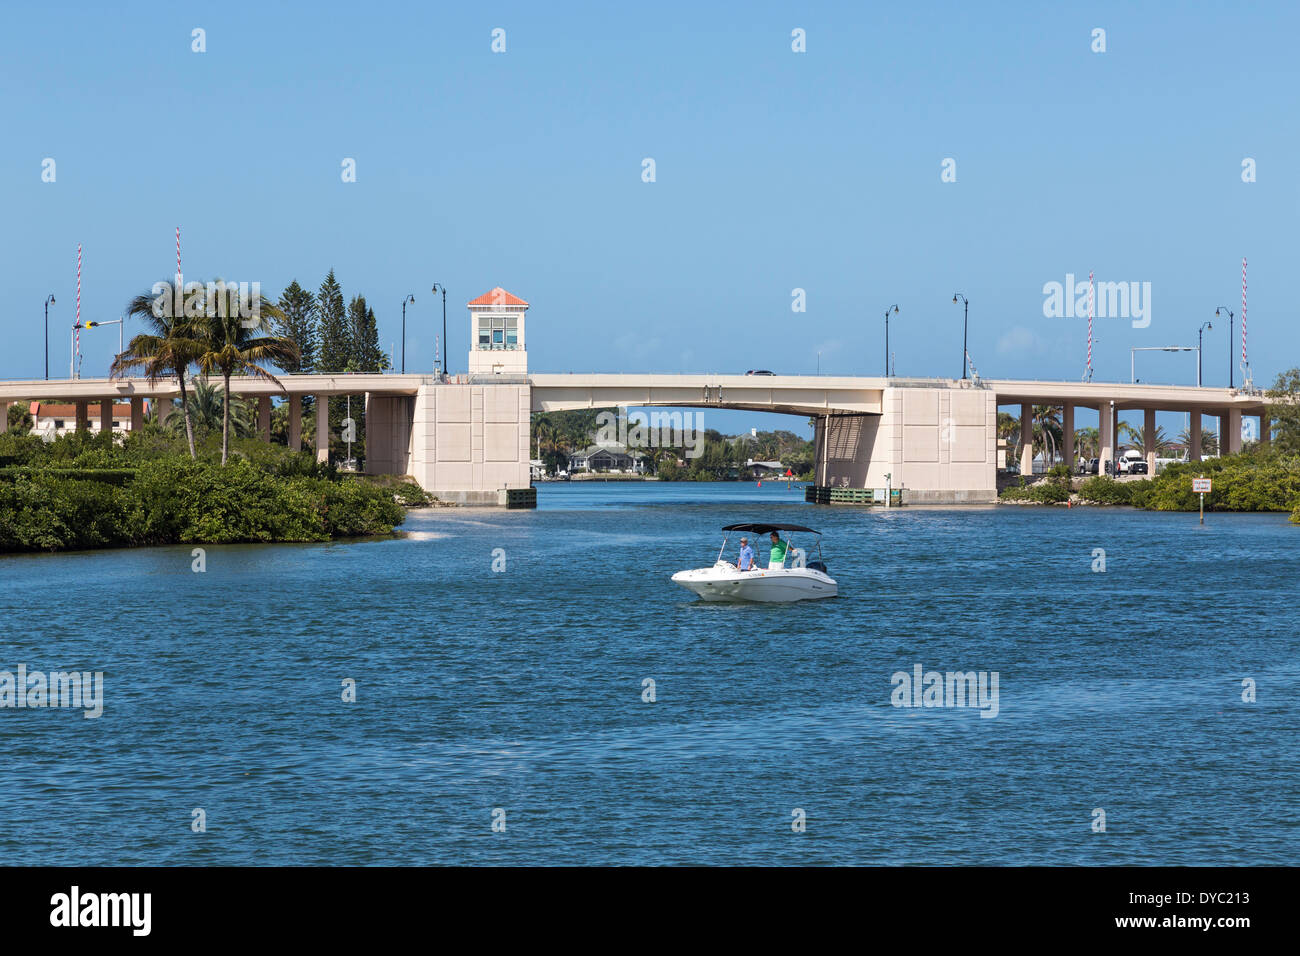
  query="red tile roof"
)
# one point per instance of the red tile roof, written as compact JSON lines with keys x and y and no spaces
{"x":497,"y":296}
{"x":69,"y":410}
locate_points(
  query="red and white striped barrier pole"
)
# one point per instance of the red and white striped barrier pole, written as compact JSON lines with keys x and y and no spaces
{"x":76,"y":328}
{"x":1089,"y":368}
{"x":1245,"y":363}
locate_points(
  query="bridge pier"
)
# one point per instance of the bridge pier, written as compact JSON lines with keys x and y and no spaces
{"x":1067,"y":434}
{"x":82,"y":415}
{"x":323,"y":429}
{"x":468,"y":443}
{"x":137,"y":413}
{"x":1194,"y":453}
{"x":1027,"y":440}
{"x":295,"y":422}
{"x":1149,"y":439}
{"x":1105,"y":436}
{"x":264,"y":417}
{"x":1230,"y":432}
{"x":937,"y":443}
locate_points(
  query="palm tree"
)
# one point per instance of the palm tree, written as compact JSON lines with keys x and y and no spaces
{"x":1209,"y":440}
{"x":166,"y":351}
{"x":1087,"y":441}
{"x":1048,"y":420}
{"x":229,"y":346}
{"x":1138,"y":436}
{"x":208,"y":409}
{"x":1008,"y":428}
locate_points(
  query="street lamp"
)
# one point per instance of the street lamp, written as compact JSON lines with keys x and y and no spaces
{"x":49,"y":300}
{"x":73,"y":371}
{"x":893,"y":309}
{"x":439,"y":287}
{"x":117,"y":322}
{"x":411,"y":299}
{"x":1224,"y":308}
{"x":964,"y":322}
{"x":1199,"y":333}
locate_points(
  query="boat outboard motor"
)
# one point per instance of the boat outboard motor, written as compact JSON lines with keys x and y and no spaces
{"x":817,"y":566}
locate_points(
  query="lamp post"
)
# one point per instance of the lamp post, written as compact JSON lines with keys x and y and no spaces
{"x":439,"y":287}
{"x":49,"y":300}
{"x":1224,"y":308}
{"x":893,"y":309}
{"x":411,"y":299}
{"x":1200,"y":332}
{"x":964,"y":323}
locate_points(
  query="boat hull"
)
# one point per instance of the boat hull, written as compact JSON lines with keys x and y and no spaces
{"x":761,"y":586}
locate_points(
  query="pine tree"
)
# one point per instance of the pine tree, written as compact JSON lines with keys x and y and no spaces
{"x":299,"y":325}
{"x":366,"y":354}
{"x":335,"y":344}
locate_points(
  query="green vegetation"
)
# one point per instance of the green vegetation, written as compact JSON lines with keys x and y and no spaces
{"x":1258,"y":480}
{"x":1054,"y":490}
{"x":1285,"y":412}
{"x":1253,"y":481}
{"x":94,"y":491}
{"x":1104,"y":490}
{"x":19,"y":419}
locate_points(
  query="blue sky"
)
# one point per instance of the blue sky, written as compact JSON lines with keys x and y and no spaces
{"x":775,"y":170}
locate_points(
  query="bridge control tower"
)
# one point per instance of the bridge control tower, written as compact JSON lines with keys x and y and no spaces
{"x":496,"y":335}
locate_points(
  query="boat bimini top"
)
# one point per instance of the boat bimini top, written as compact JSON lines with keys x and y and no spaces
{"x":763,"y":527}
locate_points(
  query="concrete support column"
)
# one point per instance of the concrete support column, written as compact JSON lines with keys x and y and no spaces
{"x":83,"y":416}
{"x":137,"y":413}
{"x":295,"y":422}
{"x":1195,"y":451}
{"x":1105,"y":429}
{"x":1026,"y":439}
{"x":1067,"y":433}
{"x":106,"y":416}
{"x":4,"y":415}
{"x":1149,"y":439}
{"x":322,"y":428}
{"x":1265,"y":428}
{"x":1230,"y":432}
{"x":264,"y":417}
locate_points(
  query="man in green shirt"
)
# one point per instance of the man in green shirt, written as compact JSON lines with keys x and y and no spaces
{"x":777,"y":557}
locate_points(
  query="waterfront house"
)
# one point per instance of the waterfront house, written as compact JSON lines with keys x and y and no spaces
{"x":610,"y":457}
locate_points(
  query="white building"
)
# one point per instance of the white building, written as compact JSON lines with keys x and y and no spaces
{"x":52,"y":419}
{"x":497,"y":334}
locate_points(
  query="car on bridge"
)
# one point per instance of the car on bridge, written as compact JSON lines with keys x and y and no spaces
{"x":759,"y":371}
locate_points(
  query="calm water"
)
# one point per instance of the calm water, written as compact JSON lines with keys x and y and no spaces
{"x":522,"y":690}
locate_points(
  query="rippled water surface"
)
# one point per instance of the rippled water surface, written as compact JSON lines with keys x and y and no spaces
{"x":522,"y":690}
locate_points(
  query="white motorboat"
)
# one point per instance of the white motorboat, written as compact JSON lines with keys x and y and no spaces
{"x":798,"y":579}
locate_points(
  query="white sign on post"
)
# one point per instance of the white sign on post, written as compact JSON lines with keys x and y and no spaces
{"x":1201,"y":486}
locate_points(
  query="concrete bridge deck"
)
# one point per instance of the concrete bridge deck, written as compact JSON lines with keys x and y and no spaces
{"x":468,"y":438}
